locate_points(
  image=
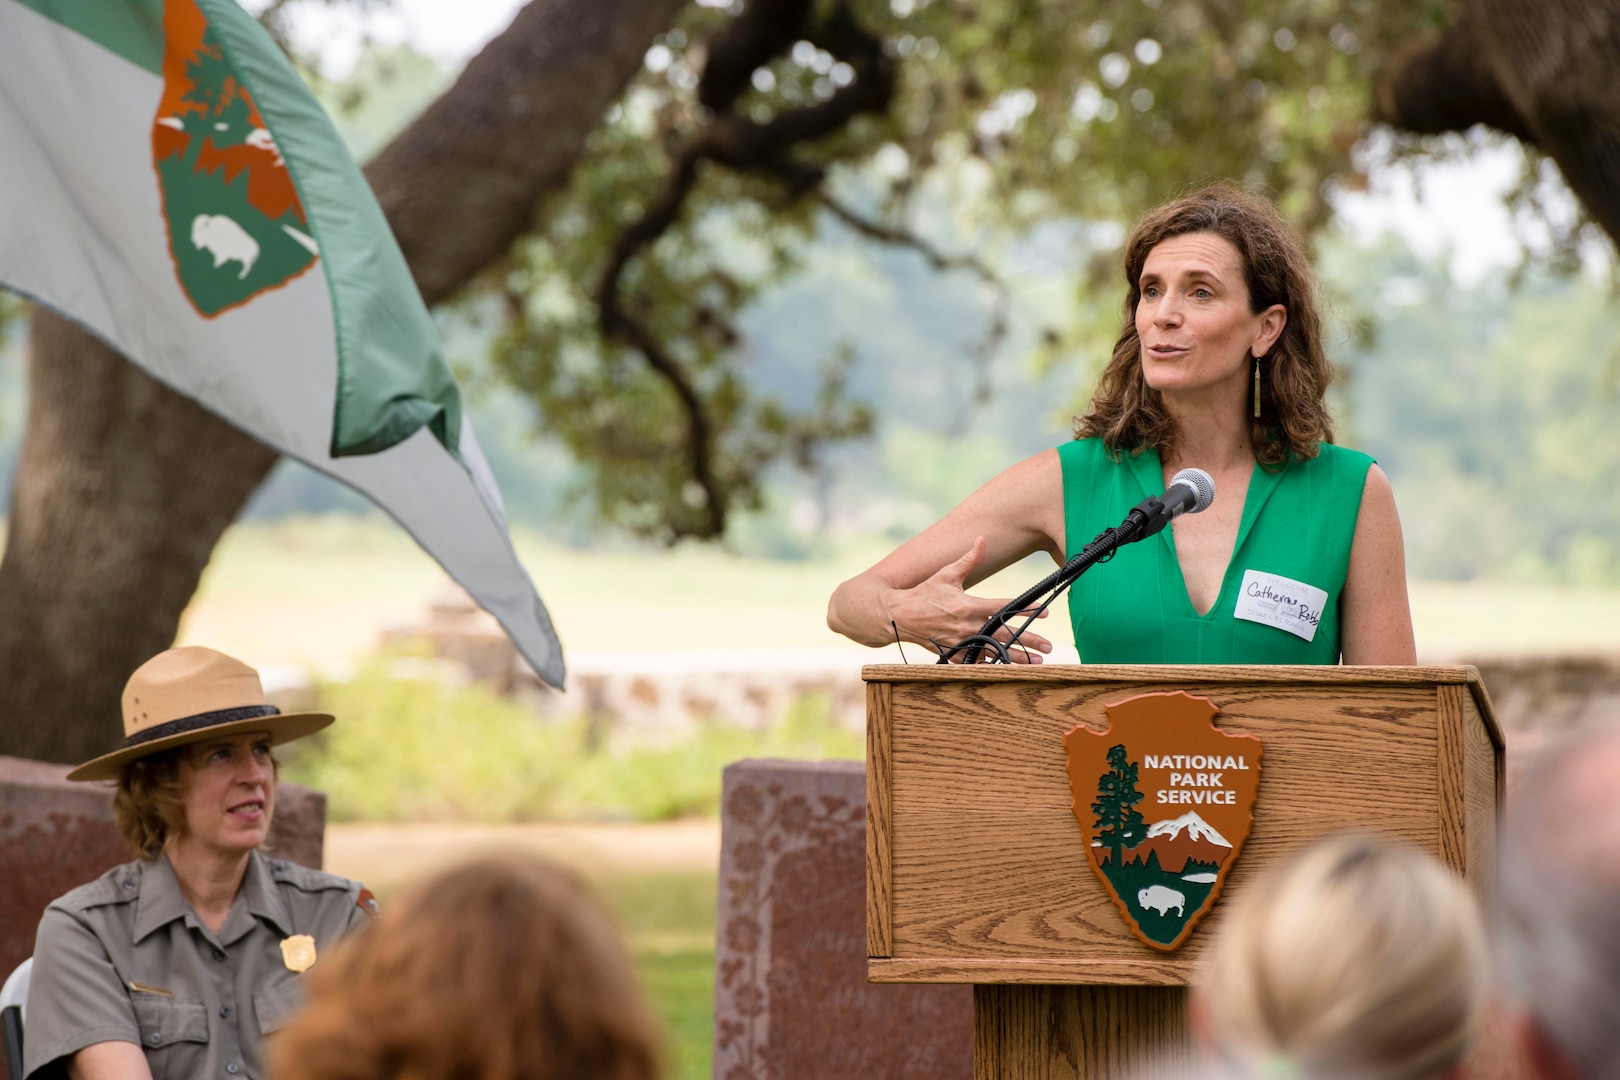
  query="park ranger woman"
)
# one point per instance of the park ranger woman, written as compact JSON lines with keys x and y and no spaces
{"x":179,"y":963}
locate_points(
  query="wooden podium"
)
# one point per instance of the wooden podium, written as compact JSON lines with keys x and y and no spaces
{"x":976,"y":871}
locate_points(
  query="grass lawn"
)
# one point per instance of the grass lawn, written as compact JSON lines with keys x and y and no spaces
{"x":317,"y":592}
{"x":669,"y":919}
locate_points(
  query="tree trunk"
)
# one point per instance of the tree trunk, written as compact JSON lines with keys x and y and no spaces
{"x":123,"y":486}
{"x":461,"y":183}
{"x":122,"y":489}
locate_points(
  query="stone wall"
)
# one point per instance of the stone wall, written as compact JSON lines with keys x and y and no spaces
{"x":637,"y":697}
{"x":1550,"y":694}
{"x":1539,"y":697}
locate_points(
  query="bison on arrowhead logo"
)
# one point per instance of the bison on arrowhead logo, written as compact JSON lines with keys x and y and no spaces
{"x":236,"y":226}
{"x":1164,"y":803}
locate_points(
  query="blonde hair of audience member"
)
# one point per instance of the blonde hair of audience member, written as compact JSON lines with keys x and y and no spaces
{"x":505,"y":967}
{"x":1355,"y":959}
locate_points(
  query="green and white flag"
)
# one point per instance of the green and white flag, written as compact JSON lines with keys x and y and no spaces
{"x":168,"y":183}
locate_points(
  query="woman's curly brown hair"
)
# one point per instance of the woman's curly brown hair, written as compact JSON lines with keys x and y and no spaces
{"x":150,"y":802}
{"x":503,"y":968}
{"x":1127,"y":414}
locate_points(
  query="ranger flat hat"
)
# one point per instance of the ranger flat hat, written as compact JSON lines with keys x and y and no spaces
{"x":190,"y":694}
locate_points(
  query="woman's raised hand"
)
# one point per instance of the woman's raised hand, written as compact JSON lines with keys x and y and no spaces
{"x":918,"y":592}
{"x":939,"y":612}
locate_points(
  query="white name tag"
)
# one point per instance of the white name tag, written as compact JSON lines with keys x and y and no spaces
{"x":1281,"y":602}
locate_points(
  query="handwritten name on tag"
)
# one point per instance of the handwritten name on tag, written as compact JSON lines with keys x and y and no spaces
{"x":1281,"y":602}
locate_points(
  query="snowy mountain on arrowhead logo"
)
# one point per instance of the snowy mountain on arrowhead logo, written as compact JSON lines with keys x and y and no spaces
{"x":1197,"y":829}
{"x":1188,"y":838}
{"x":1177,"y":841}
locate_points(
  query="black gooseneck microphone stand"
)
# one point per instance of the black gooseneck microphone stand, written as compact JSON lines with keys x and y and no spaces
{"x":1146,"y":518}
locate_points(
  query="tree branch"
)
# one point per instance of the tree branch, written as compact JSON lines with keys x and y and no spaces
{"x":888,"y":234}
{"x":1542,"y":70}
{"x":749,"y":146}
{"x":1442,"y":83}
{"x":461,"y":183}
{"x":766,"y":28}
{"x":1555,"y":60}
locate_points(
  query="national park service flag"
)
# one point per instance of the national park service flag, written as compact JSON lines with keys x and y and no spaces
{"x":168,"y":183}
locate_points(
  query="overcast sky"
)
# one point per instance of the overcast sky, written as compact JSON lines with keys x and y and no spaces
{"x":1449,"y":206}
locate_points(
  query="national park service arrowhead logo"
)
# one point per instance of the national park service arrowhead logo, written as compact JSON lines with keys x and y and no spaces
{"x":1164,"y":802}
{"x":236,"y":227}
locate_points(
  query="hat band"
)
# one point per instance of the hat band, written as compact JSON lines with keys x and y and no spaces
{"x":201,"y":720}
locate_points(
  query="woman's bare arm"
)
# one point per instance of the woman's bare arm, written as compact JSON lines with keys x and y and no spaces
{"x":1375,"y":619}
{"x":921,"y":587}
{"x":109,"y":1061}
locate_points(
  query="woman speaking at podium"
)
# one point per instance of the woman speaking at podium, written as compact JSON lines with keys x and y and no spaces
{"x":1219,"y":365}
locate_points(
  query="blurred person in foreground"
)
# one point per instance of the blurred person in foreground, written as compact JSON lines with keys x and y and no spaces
{"x":1355,"y":960}
{"x":177,"y":964}
{"x":1219,"y":365}
{"x":503,"y":968}
{"x":1560,"y":908}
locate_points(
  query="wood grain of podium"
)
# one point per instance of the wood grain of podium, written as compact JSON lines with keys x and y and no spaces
{"x":976,"y":871}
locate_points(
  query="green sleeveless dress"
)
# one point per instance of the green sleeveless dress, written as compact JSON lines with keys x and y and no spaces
{"x":1293,"y":546}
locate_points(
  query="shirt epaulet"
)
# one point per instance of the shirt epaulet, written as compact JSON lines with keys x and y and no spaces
{"x":304,"y":879}
{"x":120,"y":885}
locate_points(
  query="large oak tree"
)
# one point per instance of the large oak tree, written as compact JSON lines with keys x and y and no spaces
{"x":123,"y":487}
{"x":596,"y":164}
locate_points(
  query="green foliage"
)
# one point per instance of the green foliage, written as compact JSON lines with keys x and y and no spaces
{"x":1492,"y":410}
{"x":407,"y":749}
{"x":387,"y":89}
{"x":418,"y":748}
{"x":763,"y":294}
{"x":683,"y":779}
{"x":1005,"y":114}
{"x":669,"y":919}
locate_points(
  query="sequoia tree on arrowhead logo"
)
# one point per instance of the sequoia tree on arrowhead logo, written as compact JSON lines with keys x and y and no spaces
{"x":1119,"y":823}
{"x":236,"y":227}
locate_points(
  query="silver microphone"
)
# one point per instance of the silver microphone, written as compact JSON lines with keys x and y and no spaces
{"x":1190,"y":492}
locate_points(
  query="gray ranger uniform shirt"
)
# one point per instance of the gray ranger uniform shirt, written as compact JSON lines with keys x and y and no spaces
{"x":125,"y":959}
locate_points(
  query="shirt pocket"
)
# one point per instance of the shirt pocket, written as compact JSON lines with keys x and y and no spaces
{"x":174,"y":1034}
{"x":275,"y":1005}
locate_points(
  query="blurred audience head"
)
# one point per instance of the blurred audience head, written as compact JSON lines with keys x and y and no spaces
{"x":1560,"y":907}
{"x":1355,"y":959}
{"x":502,"y":968}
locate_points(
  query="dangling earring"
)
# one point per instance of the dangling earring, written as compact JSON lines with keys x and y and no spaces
{"x":1257,"y":388}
